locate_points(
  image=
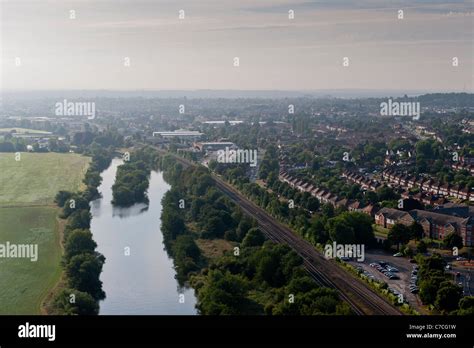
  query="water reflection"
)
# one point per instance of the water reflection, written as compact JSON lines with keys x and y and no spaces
{"x":138,"y":276}
{"x":134,"y":210}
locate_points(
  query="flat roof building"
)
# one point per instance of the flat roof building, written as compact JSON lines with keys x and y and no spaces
{"x":182,"y":134}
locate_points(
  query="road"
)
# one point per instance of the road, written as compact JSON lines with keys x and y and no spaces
{"x":362,"y":299}
{"x":464,"y":279}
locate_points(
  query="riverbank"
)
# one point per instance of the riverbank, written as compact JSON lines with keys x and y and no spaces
{"x":138,"y":276}
{"x":255,"y":276}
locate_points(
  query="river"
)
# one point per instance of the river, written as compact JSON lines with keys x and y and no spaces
{"x":138,"y":276}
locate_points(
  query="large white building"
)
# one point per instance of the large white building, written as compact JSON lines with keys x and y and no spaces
{"x":180,"y":133}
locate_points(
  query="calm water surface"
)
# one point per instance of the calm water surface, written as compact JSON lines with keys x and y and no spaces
{"x":143,"y":282}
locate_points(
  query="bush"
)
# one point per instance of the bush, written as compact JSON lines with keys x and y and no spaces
{"x":254,"y":237}
{"x":79,"y":242}
{"x":74,"y":302}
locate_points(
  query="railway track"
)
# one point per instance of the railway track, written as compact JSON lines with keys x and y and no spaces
{"x":362,"y":299}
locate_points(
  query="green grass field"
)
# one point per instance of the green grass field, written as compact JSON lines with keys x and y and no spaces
{"x":23,"y":283}
{"x":28,"y":216}
{"x":37,"y":177}
{"x":24,"y":130}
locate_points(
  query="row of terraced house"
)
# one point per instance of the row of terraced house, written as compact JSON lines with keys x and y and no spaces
{"x":325,"y":196}
{"x":368,"y":184}
{"x":461,"y":166}
{"x":427,"y":185}
{"x":436,"y":223}
{"x":361,"y":180}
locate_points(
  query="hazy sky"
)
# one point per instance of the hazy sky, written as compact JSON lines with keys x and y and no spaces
{"x":274,"y":52}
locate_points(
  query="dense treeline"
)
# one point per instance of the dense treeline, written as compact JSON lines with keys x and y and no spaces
{"x":81,"y":262}
{"x":269,"y":167}
{"x":194,"y":200}
{"x":61,"y":141}
{"x":256,"y":277}
{"x":264,"y":279}
{"x":437,"y":288}
{"x":132,"y":179}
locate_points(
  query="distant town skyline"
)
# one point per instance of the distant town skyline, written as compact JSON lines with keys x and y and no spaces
{"x":245,"y":45}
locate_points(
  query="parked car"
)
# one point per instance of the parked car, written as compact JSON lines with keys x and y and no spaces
{"x":398,"y":255}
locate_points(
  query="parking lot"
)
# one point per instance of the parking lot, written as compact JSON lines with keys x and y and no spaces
{"x":400,"y":283}
{"x":463,"y":277}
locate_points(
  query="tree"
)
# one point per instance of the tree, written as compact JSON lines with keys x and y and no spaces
{"x":7,"y":146}
{"x":466,"y":306}
{"x":416,"y":231}
{"x":74,"y":203}
{"x":78,"y":242}
{"x":340,"y":230}
{"x":254,"y":237}
{"x":61,"y":197}
{"x":327,"y":210}
{"x":185,"y":246}
{"x":172,"y":224}
{"x":312,"y":203}
{"x":429,"y":289}
{"x":424,"y":148}
{"x":318,"y":301}
{"x":448,"y":297}
{"x":386,"y":193}
{"x":80,"y":219}
{"x":452,"y":240}
{"x":74,"y":302}
{"x":196,"y":205}
{"x":317,"y":233}
{"x":223,"y":294}
{"x":83,"y":272}
{"x":362,"y":225}
{"x":244,"y":226}
{"x":422,"y":247}
{"x":92,"y":178}
{"x":301,"y":284}
{"x":269,"y":270}
{"x":213,"y":227}
{"x":204,"y":183}
{"x":399,"y":234}
{"x":351,"y":227}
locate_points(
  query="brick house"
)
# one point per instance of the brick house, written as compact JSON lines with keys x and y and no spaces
{"x":438,"y":225}
{"x":387,"y":217}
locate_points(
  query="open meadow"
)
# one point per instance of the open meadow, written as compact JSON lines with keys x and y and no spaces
{"x":28,"y":216}
{"x":23,"y":283}
{"x":37,"y":177}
